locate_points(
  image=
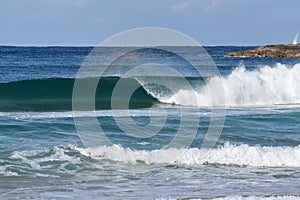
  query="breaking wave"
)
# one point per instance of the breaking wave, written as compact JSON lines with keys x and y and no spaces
{"x":69,"y":159}
{"x":265,"y":86}
{"x":228,"y":155}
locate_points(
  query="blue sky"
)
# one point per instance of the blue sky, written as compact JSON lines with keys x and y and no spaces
{"x":88,"y":22}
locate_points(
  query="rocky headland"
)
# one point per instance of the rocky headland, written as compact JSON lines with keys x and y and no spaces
{"x":273,"y":51}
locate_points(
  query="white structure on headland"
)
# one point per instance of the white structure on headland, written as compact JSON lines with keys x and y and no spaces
{"x":295,"y":41}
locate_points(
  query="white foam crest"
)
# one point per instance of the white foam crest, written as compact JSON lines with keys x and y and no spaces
{"x":260,"y":197}
{"x":229,"y":154}
{"x":245,"y":198}
{"x":71,"y":114}
{"x":6,"y":172}
{"x":261,"y":87}
{"x":34,"y":160}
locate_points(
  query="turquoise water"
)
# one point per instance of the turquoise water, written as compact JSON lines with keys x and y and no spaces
{"x":42,"y":155}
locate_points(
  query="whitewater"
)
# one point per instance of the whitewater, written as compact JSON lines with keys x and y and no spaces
{"x":265,"y":86}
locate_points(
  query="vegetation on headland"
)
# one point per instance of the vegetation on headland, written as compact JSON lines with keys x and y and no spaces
{"x":273,"y":51}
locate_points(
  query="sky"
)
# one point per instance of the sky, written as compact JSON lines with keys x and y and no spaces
{"x":89,"y":22}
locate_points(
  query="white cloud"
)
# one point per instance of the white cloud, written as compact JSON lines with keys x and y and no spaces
{"x":212,"y":6}
{"x":203,"y":5}
{"x":183,"y":5}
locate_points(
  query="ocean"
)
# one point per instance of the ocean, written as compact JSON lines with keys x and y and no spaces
{"x":153,"y":138}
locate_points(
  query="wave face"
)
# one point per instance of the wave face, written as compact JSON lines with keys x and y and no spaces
{"x":265,"y":86}
{"x":56,"y":94}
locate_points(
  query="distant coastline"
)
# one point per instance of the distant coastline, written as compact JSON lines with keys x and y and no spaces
{"x":273,"y":51}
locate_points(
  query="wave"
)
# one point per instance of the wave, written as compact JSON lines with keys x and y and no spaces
{"x":55,"y":94}
{"x":243,"y":155}
{"x":266,"y":86}
{"x":66,"y":158}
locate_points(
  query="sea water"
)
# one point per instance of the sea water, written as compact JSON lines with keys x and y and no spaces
{"x":42,"y":155}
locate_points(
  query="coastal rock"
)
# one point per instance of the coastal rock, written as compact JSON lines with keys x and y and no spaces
{"x":273,"y":51}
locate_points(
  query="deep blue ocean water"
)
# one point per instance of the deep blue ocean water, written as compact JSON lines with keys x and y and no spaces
{"x":42,"y":155}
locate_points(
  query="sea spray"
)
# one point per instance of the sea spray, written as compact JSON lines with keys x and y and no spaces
{"x":265,"y":86}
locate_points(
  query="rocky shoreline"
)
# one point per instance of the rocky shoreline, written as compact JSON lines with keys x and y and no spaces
{"x":273,"y":51}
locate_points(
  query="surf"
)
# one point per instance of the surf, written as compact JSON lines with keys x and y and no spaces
{"x":265,"y":86}
{"x":229,"y":154}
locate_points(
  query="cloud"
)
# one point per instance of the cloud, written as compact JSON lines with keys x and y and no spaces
{"x":183,"y":5}
{"x":212,"y":6}
{"x":203,"y":5}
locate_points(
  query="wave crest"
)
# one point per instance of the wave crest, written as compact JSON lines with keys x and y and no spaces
{"x":261,"y":87}
{"x":68,"y":159}
{"x":256,"y":156}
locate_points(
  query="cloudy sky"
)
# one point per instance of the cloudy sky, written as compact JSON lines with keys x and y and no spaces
{"x":88,"y":22}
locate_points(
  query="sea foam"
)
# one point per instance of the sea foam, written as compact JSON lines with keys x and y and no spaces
{"x":244,"y":198}
{"x":68,"y":159}
{"x":260,"y":87}
{"x":243,"y":155}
